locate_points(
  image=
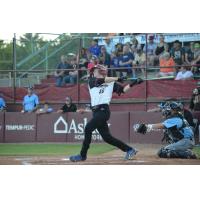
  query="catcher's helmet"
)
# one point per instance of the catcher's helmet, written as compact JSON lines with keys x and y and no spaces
{"x":168,"y":107}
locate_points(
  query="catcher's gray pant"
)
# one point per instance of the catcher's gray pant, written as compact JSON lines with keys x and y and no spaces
{"x":182,"y":145}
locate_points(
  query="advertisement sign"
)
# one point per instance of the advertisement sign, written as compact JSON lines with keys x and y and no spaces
{"x":1,"y":126}
{"x":52,"y":128}
{"x":20,"y":127}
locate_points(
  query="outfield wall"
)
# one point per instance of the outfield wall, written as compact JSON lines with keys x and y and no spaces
{"x":54,"y":127}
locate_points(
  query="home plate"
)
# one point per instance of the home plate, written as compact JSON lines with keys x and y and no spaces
{"x":65,"y":159}
{"x":139,"y":161}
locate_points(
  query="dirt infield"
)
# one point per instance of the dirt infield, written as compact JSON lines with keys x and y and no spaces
{"x":145,"y":156}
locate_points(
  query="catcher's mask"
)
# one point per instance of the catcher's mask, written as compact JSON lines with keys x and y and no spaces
{"x":101,"y":69}
{"x":168,"y":107}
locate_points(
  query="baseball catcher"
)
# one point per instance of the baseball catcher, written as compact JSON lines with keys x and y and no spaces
{"x":177,"y":133}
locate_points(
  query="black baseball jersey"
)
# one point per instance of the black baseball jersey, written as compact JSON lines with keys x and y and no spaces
{"x":101,"y":92}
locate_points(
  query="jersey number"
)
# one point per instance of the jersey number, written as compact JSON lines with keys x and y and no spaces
{"x":101,"y":90}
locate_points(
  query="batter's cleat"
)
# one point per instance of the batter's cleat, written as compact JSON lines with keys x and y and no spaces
{"x":130,"y":154}
{"x":77,"y":158}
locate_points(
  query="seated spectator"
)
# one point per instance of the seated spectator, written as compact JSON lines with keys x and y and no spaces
{"x":166,"y":61}
{"x":30,"y":102}
{"x":177,"y":53}
{"x":94,"y":49}
{"x":68,"y":106}
{"x":109,"y":45}
{"x":126,"y":61}
{"x":2,"y":103}
{"x":44,"y":109}
{"x":61,"y":73}
{"x":151,"y":47}
{"x":119,"y":49}
{"x":195,"y":100}
{"x":184,"y":73}
{"x":72,"y":77}
{"x":139,"y":61}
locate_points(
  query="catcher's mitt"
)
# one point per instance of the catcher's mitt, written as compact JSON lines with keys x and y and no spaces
{"x":142,"y":129}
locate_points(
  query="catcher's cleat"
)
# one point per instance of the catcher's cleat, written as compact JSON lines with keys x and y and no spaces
{"x":130,"y":154}
{"x":77,"y":158}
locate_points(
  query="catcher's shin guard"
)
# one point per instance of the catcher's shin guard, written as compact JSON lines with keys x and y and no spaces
{"x":166,"y":153}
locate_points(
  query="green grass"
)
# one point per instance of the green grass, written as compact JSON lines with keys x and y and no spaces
{"x":197,"y":151}
{"x":50,"y":149}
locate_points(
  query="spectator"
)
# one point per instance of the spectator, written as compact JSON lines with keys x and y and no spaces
{"x":151,"y":47}
{"x":83,"y":58}
{"x":126,"y":61}
{"x":139,"y":61}
{"x":44,"y":109}
{"x":104,"y":58}
{"x":196,"y":61}
{"x":83,"y":62}
{"x":2,"y":103}
{"x":166,"y":47}
{"x":115,"y":64}
{"x":160,"y":49}
{"x":195,"y":100}
{"x":30,"y":102}
{"x":94,"y":49}
{"x":184,"y":73}
{"x":68,"y":106}
{"x":166,"y":61}
{"x":177,"y":53}
{"x":61,"y":73}
{"x":72,"y":77}
{"x":135,"y":46}
{"x":119,"y":49}
{"x":109,"y":45}
{"x":189,"y":53}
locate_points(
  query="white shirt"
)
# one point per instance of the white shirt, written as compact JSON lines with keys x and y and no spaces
{"x":184,"y":75}
{"x":101,"y":94}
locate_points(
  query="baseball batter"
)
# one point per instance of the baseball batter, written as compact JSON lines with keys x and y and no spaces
{"x":101,"y":88}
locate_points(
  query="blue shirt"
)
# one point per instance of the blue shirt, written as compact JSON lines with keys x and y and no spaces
{"x":30,"y":102}
{"x":2,"y":103}
{"x":115,"y":62}
{"x":178,"y":122}
{"x":95,"y":50}
{"x":125,"y":58}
